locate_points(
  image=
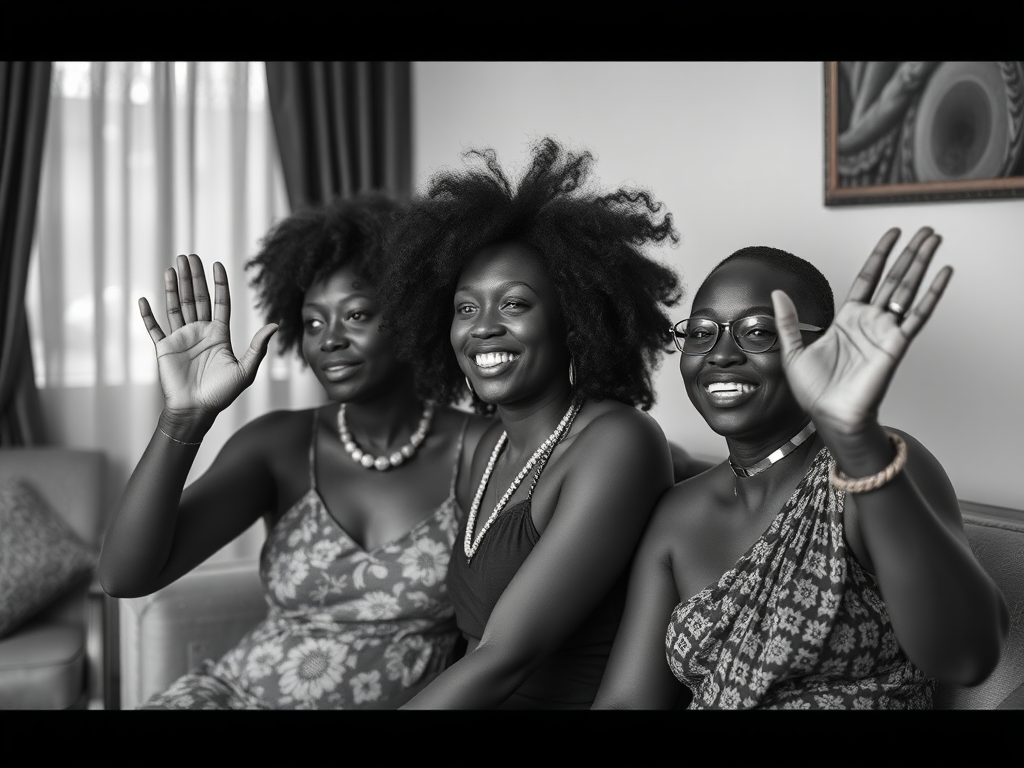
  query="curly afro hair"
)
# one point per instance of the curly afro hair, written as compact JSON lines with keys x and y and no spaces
{"x":611,"y":295}
{"x":818,"y":292}
{"x":311,"y":244}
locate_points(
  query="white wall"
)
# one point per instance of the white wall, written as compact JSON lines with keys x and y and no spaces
{"x":735,"y":151}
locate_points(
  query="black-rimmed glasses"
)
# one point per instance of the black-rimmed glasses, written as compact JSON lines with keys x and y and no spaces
{"x":757,"y":333}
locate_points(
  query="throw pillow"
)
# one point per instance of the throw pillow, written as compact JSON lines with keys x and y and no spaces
{"x":41,"y":557}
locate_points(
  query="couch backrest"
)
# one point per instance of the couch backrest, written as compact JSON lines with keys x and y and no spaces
{"x":69,"y":479}
{"x":997,"y":538}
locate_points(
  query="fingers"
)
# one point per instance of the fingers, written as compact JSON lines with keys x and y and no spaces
{"x":257,"y":351}
{"x":199,"y":288}
{"x":786,"y":322}
{"x":187,"y":297}
{"x":900,"y":269}
{"x":174,"y":317}
{"x":156,"y":333}
{"x":920,"y":314}
{"x":864,"y":285}
{"x":906,"y":291}
{"x":221,"y":295}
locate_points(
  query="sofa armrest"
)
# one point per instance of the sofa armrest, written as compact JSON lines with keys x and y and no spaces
{"x":200,"y":616}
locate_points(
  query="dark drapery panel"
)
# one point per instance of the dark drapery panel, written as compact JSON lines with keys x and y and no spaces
{"x":24,"y":98}
{"x":342,"y":127}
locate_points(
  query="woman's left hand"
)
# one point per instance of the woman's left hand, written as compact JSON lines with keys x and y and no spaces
{"x":841,"y":378}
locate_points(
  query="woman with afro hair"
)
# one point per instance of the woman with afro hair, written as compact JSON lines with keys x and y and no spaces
{"x":358,"y":495}
{"x":539,"y":299}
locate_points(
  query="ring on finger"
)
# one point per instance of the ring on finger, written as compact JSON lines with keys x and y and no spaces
{"x":897,"y":309}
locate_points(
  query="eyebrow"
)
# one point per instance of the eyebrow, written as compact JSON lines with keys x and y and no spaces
{"x":503,"y":287}
{"x":758,"y":310}
{"x":349,"y":298}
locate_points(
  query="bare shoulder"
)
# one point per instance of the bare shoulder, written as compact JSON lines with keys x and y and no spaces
{"x":274,"y":432}
{"x":454,"y":420}
{"x":682,"y":509}
{"x":609,"y":423}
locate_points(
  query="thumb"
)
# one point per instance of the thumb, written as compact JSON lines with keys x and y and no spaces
{"x":787,"y":324}
{"x":257,"y":350}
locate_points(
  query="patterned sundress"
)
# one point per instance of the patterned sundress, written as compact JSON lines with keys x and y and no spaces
{"x":796,"y":623}
{"x":345,"y":627}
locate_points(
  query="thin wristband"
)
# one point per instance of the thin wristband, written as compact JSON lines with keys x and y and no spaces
{"x":179,"y":442}
{"x":841,"y":482}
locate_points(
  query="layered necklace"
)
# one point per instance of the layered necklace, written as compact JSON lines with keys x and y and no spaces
{"x":382,"y":463}
{"x":538,"y":460}
{"x":775,"y":456}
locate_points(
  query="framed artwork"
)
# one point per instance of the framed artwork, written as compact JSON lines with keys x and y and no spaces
{"x":913,"y":131}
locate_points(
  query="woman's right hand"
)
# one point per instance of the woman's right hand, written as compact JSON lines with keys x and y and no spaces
{"x":199,"y":373}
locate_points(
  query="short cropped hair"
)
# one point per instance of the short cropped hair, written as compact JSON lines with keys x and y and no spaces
{"x":817,"y":292}
{"x":611,"y":295}
{"x":308,"y":246}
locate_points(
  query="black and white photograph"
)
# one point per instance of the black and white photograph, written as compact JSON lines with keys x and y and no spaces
{"x":509,"y":385}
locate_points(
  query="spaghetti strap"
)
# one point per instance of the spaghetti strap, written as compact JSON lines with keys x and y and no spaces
{"x":458,"y":456}
{"x":312,"y":451}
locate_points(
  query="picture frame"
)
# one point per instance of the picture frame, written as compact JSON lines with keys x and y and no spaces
{"x":900,"y":132}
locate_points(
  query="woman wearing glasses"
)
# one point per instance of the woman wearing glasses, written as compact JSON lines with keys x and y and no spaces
{"x":540,"y":299}
{"x":824,"y":565}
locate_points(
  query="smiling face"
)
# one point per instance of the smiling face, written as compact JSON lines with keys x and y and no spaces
{"x":341,"y":339}
{"x":507,"y":331}
{"x":742,"y":394}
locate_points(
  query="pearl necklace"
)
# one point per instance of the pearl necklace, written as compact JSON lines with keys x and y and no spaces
{"x":541,"y":456}
{"x":382,"y":463}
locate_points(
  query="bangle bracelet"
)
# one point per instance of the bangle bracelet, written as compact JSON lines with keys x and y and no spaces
{"x":841,"y":482}
{"x":179,"y":442}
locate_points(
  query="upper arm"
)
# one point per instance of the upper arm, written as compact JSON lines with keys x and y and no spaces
{"x":638,"y":676}
{"x":603,"y":504}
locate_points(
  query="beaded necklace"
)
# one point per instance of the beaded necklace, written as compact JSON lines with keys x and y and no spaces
{"x":539,"y":459}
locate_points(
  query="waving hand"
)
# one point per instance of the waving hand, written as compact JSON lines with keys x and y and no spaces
{"x":199,"y":373}
{"x":842,"y":377}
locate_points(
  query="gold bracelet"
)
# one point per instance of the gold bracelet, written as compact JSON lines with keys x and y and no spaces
{"x":179,"y":442}
{"x":841,"y":482}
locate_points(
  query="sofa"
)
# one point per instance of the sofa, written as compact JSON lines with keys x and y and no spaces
{"x":59,"y":658}
{"x":203,"y":614}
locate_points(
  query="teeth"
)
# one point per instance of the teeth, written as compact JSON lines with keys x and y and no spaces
{"x":730,"y":386}
{"x":491,"y":359}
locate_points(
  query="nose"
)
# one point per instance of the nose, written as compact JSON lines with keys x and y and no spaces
{"x":335,"y":337}
{"x":725,"y":351}
{"x":486,"y":324}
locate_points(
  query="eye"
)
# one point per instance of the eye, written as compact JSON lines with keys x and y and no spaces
{"x":514,"y":305}
{"x":464,"y":309}
{"x":698,"y":333}
{"x":358,"y":316}
{"x":311,"y":324}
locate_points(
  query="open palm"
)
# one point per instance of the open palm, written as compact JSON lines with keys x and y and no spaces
{"x":198,"y":370}
{"x":842,"y":377}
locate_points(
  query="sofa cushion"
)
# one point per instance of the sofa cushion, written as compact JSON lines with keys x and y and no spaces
{"x":42,"y":666}
{"x":41,"y":557}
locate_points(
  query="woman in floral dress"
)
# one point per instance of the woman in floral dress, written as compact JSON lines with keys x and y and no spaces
{"x":825,"y":564}
{"x":358,"y":495}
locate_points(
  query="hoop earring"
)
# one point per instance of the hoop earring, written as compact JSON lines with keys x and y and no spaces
{"x":470,"y":387}
{"x":572,"y":371}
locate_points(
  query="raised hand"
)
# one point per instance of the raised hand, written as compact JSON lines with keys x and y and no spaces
{"x":842,"y":377}
{"x":199,"y":373}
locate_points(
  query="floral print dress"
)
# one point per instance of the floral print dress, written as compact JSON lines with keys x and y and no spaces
{"x":345,"y":627}
{"x":796,"y":623}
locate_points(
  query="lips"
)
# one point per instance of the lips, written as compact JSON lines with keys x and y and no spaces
{"x":339,"y":370}
{"x":492,"y":362}
{"x":727,"y":391}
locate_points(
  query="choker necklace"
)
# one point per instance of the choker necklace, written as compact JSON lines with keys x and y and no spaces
{"x":541,"y":456}
{"x":382,"y":463}
{"x":776,"y":455}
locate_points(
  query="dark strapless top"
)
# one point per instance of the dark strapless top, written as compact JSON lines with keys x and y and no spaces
{"x":570,"y":677}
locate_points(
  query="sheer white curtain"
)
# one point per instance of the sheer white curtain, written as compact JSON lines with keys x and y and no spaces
{"x":144,"y":161}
